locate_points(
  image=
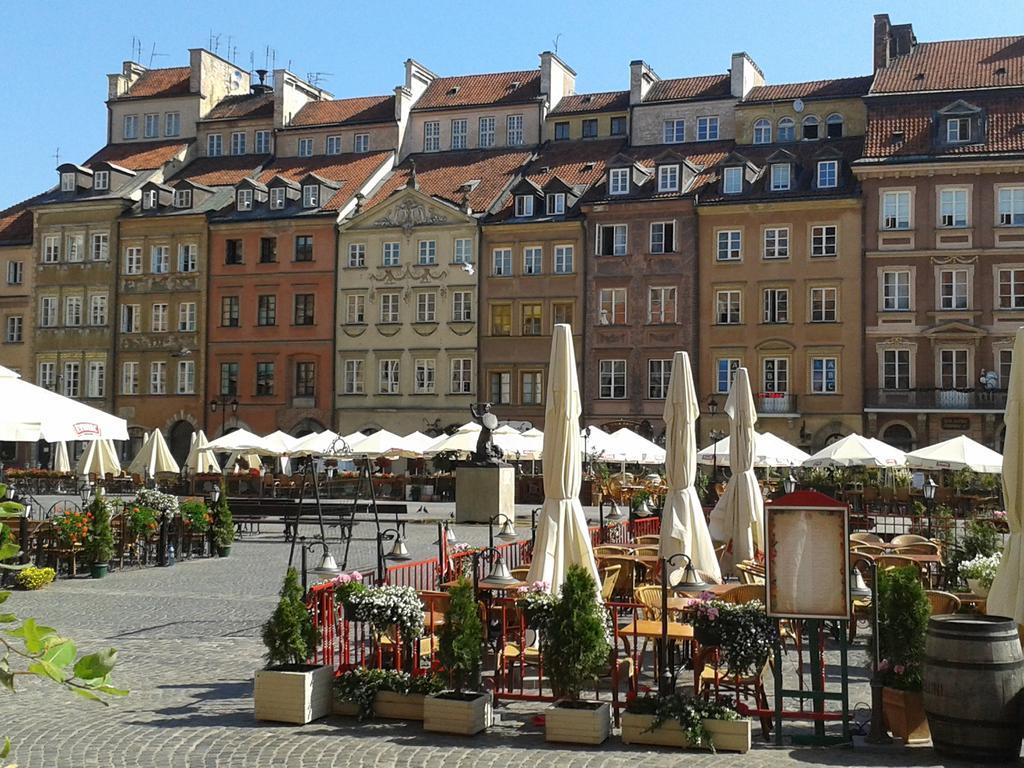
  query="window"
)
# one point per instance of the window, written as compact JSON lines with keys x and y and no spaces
{"x":426,"y":252}
{"x":958,"y":130}
{"x":151,"y":126}
{"x":514,"y":129}
{"x":668,"y":178}
{"x":131,"y":126}
{"x":51,"y":249}
{"x":658,"y":375}
{"x":663,"y":237}
{"x":243,"y":199}
{"x":612,"y":306}
{"x":730,"y":245}
{"x":392,"y":256}
{"x":953,"y":208}
{"x":811,"y":125}
{"x":333,"y":146}
{"x":463,"y":251}
{"x":661,"y":305}
{"x":98,"y":309}
{"x":725,"y":372}
{"x":462,"y":306}
{"x":67,"y":182}
{"x":268,"y":250}
{"x":562,"y":312}
{"x":501,"y":320}
{"x":823,"y":375}
{"x":131,"y":318}
{"x":172,"y":124}
{"x":776,"y":243}
{"x":501,"y":387}
{"x":776,"y":305}
{"x":787,"y":129}
{"x":533,"y":314}
{"x":1011,"y":289}
{"x":824,"y":240}
{"x":424,"y":376}
{"x":502,"y":262}
{"x":266,"y":310}
{"x":133,"y":261}
{"x":129,"y":378}
{"x":188,"y":257}
{"x":834,"y":126}
{"x":388,"y":373}
{"x":828,"y":174}
{"x":618,"y":126}
{"x":459,"y":133}
{"x":533,"y":260}
{"x":15,"y":272}
{"x":353,"y":377}
{"x":896,"y":291}
{"x":561,"y":131}
{"x":303,"y":248}
{"x":150,"y":199}
{"x":431,"y":136}
{"x":186,"y":378}
{"x":612,"y":379}
{"x":187,"y":316}
{"x":780,"y":176}
{"x":426,"y":307}
{"x":305,"y":147}
{"x":611,"y":239}
{"x":310,"y":195}
{"x":732,"y":180}
{"x":101,"y":181}
{"x":727,"y":307}
{"x":707,"y":128}
{"x":160,"y":259}
{"x":762,"y":131}
{"x":896,"y":369}
{"x":563,"y":259}
{"x":824,"y":305}
{"x":48,"y":375}
{"x":357,"y":254}
{"x":96,"y":383}
{"x":361,"y":143}
{"x":304,"y":309}
{"x":48,"y":312}
{"x":238,"y":143}
{"x":1011,"y":206}
{"x":355,"y":309}
{"x":618,"y":181}
{"x":262,"y":142}
{"x":954,"y":289}
{"x":75,"y":248}
{"x":214,"y":146}
{"x":158,"y":378}
{"x":524,"y":205}
{"x":277,"y":198}
{"x":305,"y":379}
{"x":776,"y":374}
{"x":1004,"y":359}
{"x":486,"y":132}
{"x":159,"y":318}
{"x":389,"y":308}
{"x":71,"y":383}
{"x":229,"y":312}
{"x":953,"y":369}
{"x":73,"y":310}
{"x":531,"y":385}
{"x":674,"y":131}
{"x":896,"y":210}
{"x":183,"y":198}
{"x":590,"y":128}
{"x":229,"y":378}
{"x":264,"y":379}
{"x":13,"y":334}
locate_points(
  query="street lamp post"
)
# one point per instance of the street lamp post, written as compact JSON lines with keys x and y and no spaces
{"x":224,"y":402}
{"x":398,"y":551}
{"x":929,"y":500}
{"x":498,"y":577}
{"x":328,"y":565}
{"x":713,"y":435}
{"x":689,"y":581}
{"x":859,"y":589}
{"x":507,"y":532}
{"x":789,"y":484}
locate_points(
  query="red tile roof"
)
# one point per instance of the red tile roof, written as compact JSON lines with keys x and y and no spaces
{"x":610,"y":101}
{"x":351,"y":170}
{"x":16,"y":223}
{"x":442,"y":175}
{"x":172,"y":81}
{"x":249,"y":105}
{"x":990,"y":62}
{"x":478,"y":90}
{"x":364,"y":109}
{"x":139,"y":156}
{"x":844,"y":87}
{"x":705,"y":156}
{"x":219,"y":171}
{"x":685,"y":88}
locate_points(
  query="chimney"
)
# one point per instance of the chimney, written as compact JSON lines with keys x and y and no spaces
{"x":261,"y":87}
{"x":557,"y":79}
{"x":641,"y":78}
{"x":880,"y":41}
{"x":744,"y":75}
{"x":903,"y":40}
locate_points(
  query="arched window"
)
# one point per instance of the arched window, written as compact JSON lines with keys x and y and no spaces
{"x":762,"y":132}
{"x":899,"y":436}
{"x":834,"y":126}
{"x":811,"y":126}
{"x":787,"y":130}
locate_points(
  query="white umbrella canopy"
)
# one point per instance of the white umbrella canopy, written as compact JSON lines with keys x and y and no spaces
{"x":61,"y":463}
{"x":199,"y":460}
{"x":326,"y":443}
{"x":1006,"y":597}
{"x":418,"y":442}
{"x":596,"y":442}
{"x":154,"y":457}
{"x":383,"y":443}
{"x":511,"y":442}
{"x":959,"y":452}
{"x":562,"y":537}
{"x":98,"y":459}
{"x":32,"y":413}
{"x":626,"y":445}
{"x":738,"y":517}
{"x":251,"y":458}
{"x":243,"y":441}
{"x":857,"y":451}
{"x":533,"y":440}
{"x":281,"y":442}
{"x":683,"y":528}
{"x":769,"y":451}
{"x":463,"y":441}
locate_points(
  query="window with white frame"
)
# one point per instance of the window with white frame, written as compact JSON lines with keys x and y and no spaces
{"x":674,"y":131}
{"x":243,"y":199}
{"x":361,"y":143}
{"x":730,"y":243}
{"x":828,"y":174}
{"x":100,"y":246}
{"x":732,"y":180}
{"x":131,"y":127}
{"x":159,"y":322}
{"x":501,"y":387}
{"x":725,"y":373}
{"x":663,"y":236}
{"x":355,"y":309}
{"x":762,"y":131}
{"x":524,"y":205}
{"x":1011,"y":288}
{"x":432,"y":136}
{"x":775,"y":374}
{"x":896,"y":369}
{"x":485,"y":135}
{"x":151,"y":126}
{"x":462,"y":306}
{"x":954,"y":289}
{"x":612,"y":379}
{"x":533,"y":260}
{"x":133,"y":261}
{"x":463,"y":253}
{"x":618,"y":181}
{"x":214,"y":145}
{"x":780,"y":176}
{"x":611,"y":239}
{"x":823,"y":375}
{"x":531,"y":387}
{"x":71,"y":384}
{"x":555,"y":203}
{"x":426,"y":307}
{"x":278,"y":196}
{"x":158,"y":377}
{"x":668,"y":178}
{"x":356,"y":255}
{"x":1011,"y":206}
{"x":953,"y":372}
{"x":96,"y":379}
{"x":514,"y":127}
{"x":150,"y":199}
{"x":824,"y":240}
{"x":787,"y":130}
{"x":160,"y":259}
{"x":47,"y":378}
{"x":563,"y":259}
{"x":15,"y":324}
{"x":305,"y":147}
{"x":130,"y":378}
{"x":388,"y":377}
{"x":101,"y":181}
{"x":131,"y":318}
{"x":727,"y":307}
{"x":75,"y":248}
{"x":896,"y":290}
{"x":98,"y":309}
{"x":51,"y":249}
{"x":659,"y":373}
{"x":953,"y":204}
{"x":501,"y":262}
{"x":48,"y":312}
{"x":389,"y":308}
{"x":612,"y":306}
{"x":353,"y":377}
{"x":707,"y":128}
{"x":426,"y":252}
{"x":824,"y":304}
{"x":391,"y":255}
{"x":661,"y":305}
{"x":188,"y":257}
{"x":238,"y":143}
{"x":183,"y":198}
{"x":15,"y":272}
{"x":812,"y":128}
{"x":775,"y":305}
{"x":187,"y":317}
{"x":68,"y":182}
{"x":72,"y":311}
{"x":896,"y":209}
{"x":425,"y":375}
{"x":172,"y":124}
{"x":333,"y":145}
{"x":310,"y":195}
{"x":958,"y":130}
{"x":776,"y":242}
{"x":186,"y":378}
{"x":460,"y":131}
{"x":262,"y":143}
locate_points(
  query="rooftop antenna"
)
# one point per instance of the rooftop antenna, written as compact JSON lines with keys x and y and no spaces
{"x":227,"y":49}
{"x":556,"y":41}
{"x":56,"y":157}
{"x":153,"y":54}
{"x":215,"y":42}
{"x":316,"y":78}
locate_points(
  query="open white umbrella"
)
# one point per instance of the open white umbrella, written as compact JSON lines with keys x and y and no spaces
{"x":98,"y":459}
{"x":959,"y":452}
{"x":284,"y":444}
{"x":1006,"y":597}
{"x":563,"y":538}
{"x":154,"y":457}
{"x":769,"y":451}
{"x":511,"y":442}
{"x":625,"y":445}
{"x":326,"y":443}
{"x":683,"y":528}
{"x":383,"y":443}
{"x":61,"y":463}
{"x":595,"y":442}
{"x":251,"y":458}
{"x":418,"y":442}
{"x":533,"y":440}
{"x":857,"y":451}
{"x":241,"y":441}
{"x":199,"y":460}
{"x":462,"y":441}
{"x":738,"y":517}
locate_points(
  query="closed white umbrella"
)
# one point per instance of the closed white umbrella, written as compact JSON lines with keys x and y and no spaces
{"x":61,"y":463}
{"x":154,"y":457}
{"x":1006,"y":597}
{"x":738,"y":517}
{"x":199,"y":460}
{"x":959,"y":452}
{"x":683,"y":528}
{"x":563,"y":538}
{"x":857,"y":451}
{"x":769,"y":451}
{"x":98,"y":459}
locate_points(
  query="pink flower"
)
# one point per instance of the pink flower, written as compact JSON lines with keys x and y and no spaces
{"x":343,"y":578}
{"x":356,"y":576}
{"x":899,"y":669}
{"x":706,"y":596}
{"x":712,"y":613}
{"x":883,"y":665}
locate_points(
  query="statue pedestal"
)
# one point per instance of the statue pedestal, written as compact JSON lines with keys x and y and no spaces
{"x":483,"y":492}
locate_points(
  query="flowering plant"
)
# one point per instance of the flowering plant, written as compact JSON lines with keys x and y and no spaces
{"x":537,"y":604}
{"x":689,"y":712}
{"x":158,"y":502}
{"x":72,"y":526}
{"x":195,"y":515}
{"x":141,"y":521}
{"x":386,"y":607}
{"x":744,"y":632}
{"x":34,"y":578}
{"x":361,"y":686}
{"x":346,"y":586}
{"x":981,"y":568}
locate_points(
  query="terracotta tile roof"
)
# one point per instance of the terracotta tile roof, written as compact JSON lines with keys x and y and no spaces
{"x":478,"y":90}
{"x":172,"y":81}
{"x":365,"y":109}
{"x":351,"y":170}
{"x":991,"y":62}
{"x":247,"y":105}
{"x":610,"y":101}
{"x":220,"y":171}
{"x":442,"y":174}
{"x":139,"y":156}
{"x":703,"y":156}
{"x":844,"y":87}
{"x":685,"y":88}
{"x":16,"y":222}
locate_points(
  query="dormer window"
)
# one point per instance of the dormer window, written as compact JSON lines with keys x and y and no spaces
{"x":150,"y":199}
{"x":277,"y":198}
{"x":183,"y":198}
{"x":828,"y":174}
{"x":556,"y":203}
{"x":668,"y":178}
{"x":732,"y":180}
{"x":67,"y":182}
{"x":310,"y":196}
{"x":243,"y":199}
{"x":101,"y":180}
{"x":958,"y":130}
{"x":618,"y":181}
{"x":524,"y":205}
{"x":834,"y":126}
{"x":811,"y":127}
{"x":780,"y":177}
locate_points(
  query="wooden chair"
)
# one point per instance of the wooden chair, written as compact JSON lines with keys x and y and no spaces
{"x":645,"y":551}
{"x":610,"y":549}
{"x":868,"y":549}
{"x":905,"y":539}
{"x":862,"y":537}
{"x":624,"y":581}
{"x":648,"y":539}
{"x":942,"y":602}
{"x":520,"y":573}
{"x":609,"y":578}
{"x":750,"y":572}
{"x":649,"y":596}
{"x":744,"y":593}
{"x":922,"y":548}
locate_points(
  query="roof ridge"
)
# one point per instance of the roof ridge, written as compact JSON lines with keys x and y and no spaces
{"x":488,"y":74}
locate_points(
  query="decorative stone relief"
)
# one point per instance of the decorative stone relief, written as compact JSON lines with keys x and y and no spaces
{"x":409,"y":214}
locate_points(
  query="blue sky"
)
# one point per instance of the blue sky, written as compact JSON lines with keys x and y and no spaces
{"x":56,"y":55}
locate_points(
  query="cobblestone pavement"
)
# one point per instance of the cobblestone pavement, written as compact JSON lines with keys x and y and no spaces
{"x":188,"y":638}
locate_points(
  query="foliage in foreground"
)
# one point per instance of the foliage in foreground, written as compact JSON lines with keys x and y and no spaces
{"x":576,"y":649}
{"x":361,"y":686}
{"x":689,"y":712}
{"x":461,"y":637}
{"x":289,"y":634}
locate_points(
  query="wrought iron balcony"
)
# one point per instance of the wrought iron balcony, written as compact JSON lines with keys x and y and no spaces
{"x":935,"y":399}
{"x":775,"y":403}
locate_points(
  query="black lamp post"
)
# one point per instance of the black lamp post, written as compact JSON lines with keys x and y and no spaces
{"x":688,"y":581}
{"x":586,"y":453}
{"x":714,"y":435}
{"x":533,"y":525}
{"x":328,"y":567}
{"x":86,"y":493}
{"x":789,"y":484}
{"x":929,"y":500}
{"x":859,"y":589}
{"x":224,"y":403}
{"x":507,"y":531}
{"x":399,"y":551}
{"x":498,"y":577}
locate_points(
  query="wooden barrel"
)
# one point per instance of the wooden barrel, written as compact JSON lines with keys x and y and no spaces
{"x":973,"y":683}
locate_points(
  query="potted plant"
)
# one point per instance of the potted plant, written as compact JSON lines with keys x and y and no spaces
{"x":289,"y":690}
{"x":903,"y":611}
{"x":744,"y":633}
{"x":223,"y":525}
{"x":464,"y":709}
{"x":980,"y":572}
{"x":576,"y":651}
{"x":99,"y":541}
{"x":683,"y":722}
{"x":387,"y":693}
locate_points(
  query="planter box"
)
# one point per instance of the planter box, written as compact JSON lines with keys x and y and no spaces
{"x":300,"y":696}
{"x":727,"y":735}
{"x":453,"y":715}
{"x":578,"y":726}
{"x":904,"y":715}
{"x":387,"y":705}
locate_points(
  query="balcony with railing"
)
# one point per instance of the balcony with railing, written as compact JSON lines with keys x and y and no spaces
{"x":775,"y":403}
{"x":935,"y":399}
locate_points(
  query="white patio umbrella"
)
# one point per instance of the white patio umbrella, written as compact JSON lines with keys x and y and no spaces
{"x":857,"y":451}
{"x":199,"y":460}
{"x":61,"y":463}
{"x":511,"y":441}
{"x":251,"y":458}
{"x":284,"y":444}
{"x":738,"y":517}
{"x":533,"y":439}
{"x":959,"y":452}
{"x":1006,"y":597}
{"x":242,"y":441}
{"x":562,"y":538}
{"x":383,"y":443}
{"x":462,"y":441}
{"x":326,"y":443}
{"x":154,"y":457}
{"x":98,"y":459}
{"x":418,"y":442}
{"x":683,"y":528}
{"x":629,"y":447}
{"x":352,"y":440}
{"x":769,"y":451}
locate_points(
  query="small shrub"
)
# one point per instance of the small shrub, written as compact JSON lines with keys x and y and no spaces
{"x":461,"y":638}
{"x":223,"y":525}
{"x":980,"y":538}
{"x":689,"y":712}
{"x":903,"y":611}
{"x":195,"y":515}
{"x":141,"y":522}
{"x":289,"y":634}
{"x":34,"y":578}
{"x":576,"y":645}
{"x":99,"y":541}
